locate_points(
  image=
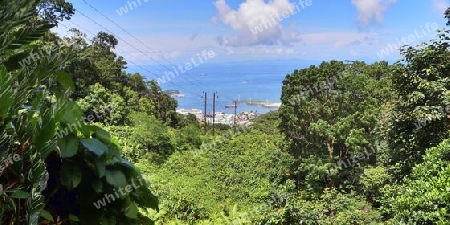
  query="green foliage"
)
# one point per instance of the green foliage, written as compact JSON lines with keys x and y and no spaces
{"x":109,"y":65}
{"x":333,"y":207}
{"x":188,"y":138}
{"x":321,"y":125}
{"x":103,"y":87}
{"x":132,"y":100}
{"x":425,"y":195}
{"x":120,"y":135}
{"x":153,"y":137}
{"x":164,"y":105}
{"x":371,"y":182}
{"x":267,"y":123}
{"x":27,"y":133}
{"x":187,"y":120}
{"x":200,"y":185}
{"x":53,"y":11}
{"x":56,"y":179}
{"x":421,"y":83}
{"x":149,"y":140}
{"x":108,"y":108}
{"x":83,"y":71}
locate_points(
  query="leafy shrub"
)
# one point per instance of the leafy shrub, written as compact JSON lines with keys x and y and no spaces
{"x":425,"y":196}
{"x":58,"y":177}
{"x":333,"y":207}
{"x":221,"y":184}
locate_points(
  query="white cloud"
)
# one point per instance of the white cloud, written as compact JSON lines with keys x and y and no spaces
{"x":368,"y":10}
{"x":439,"y":6}
{"x":250,"y":15}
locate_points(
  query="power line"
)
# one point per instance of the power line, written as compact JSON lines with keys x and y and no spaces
{"x":140,"y":51}
{"x":129,"y":61}
{"x":131,"y":46}
{"x":81,"y":27}
{"x":137,"y":39}
{"x":118,"y":37}
{"x":63,"y":25}
{"x":124,"y":30}
{"x":121,"y":28}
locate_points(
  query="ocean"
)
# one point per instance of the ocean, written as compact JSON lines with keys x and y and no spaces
{"x":245,"y":81}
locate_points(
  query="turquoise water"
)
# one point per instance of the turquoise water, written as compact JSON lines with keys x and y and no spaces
{"x":247,"y":81}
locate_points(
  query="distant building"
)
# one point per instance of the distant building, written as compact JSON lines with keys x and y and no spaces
{"x":221,"y":118}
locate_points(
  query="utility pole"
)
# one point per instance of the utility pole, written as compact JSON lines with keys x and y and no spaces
{"x":204,"y":112}
{"x":235,"y":110}
{"x":214,"y":112}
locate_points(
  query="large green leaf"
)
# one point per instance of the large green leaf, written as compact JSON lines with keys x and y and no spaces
{"x":103,"y":136}
{"x":19,"y":194}
{"x":6,"y":92}
{"x":97,"y":185}
{"x":70,"y":175}
{"x":37,"y":171}
{"x":99,"y":167}
{"x":46,"y":215}
{"x":94,"y":145}
{"x":73,"y":218}
{"x":73,"y":113}
{"x":68,"y":146}
{"x":45,"y":131}
{"x":147,"y":199}
{"x":131,"y":211}
{"x":116,"y":178}
{"x":122,"y":162}
{"x":65,"y":80}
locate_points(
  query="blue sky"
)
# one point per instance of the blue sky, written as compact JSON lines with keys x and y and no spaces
{"x":178,"y":30}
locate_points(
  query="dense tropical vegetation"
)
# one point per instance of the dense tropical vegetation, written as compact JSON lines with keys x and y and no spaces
{"x":353,"y":143}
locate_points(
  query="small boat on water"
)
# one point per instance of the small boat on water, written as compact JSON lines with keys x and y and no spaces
{"x":230,"y":106}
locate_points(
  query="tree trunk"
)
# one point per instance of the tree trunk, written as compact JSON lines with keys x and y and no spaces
{"x":330,"y":146}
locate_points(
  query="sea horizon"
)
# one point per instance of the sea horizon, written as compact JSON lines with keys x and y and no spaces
{"x":255,"y":81}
